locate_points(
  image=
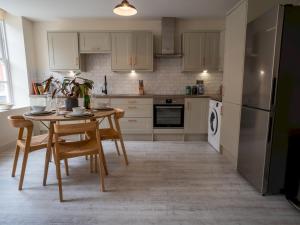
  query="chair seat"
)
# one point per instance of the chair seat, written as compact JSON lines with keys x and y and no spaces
{"x":79,"y":148}
{"x":37,"y":142}
{"x":108,"y":133}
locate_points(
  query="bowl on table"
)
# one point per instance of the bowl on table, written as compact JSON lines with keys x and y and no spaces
{"x":101,"y":105}
{"x":78,"y":110}
{"x":38,"y":108}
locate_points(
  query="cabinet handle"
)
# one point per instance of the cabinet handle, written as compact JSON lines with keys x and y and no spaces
{"x":132,"y":121}
{"x":130,"y":60}
{"x":131,"y":107}
{"x":77,"y":61}
{"x":188,"y":106}
{"x":131,"y":102}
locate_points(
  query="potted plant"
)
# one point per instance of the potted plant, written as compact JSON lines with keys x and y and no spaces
{"x":71,"y":88}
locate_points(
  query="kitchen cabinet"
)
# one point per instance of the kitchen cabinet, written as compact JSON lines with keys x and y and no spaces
{"x":201,"y":51}
{"x":142,"y":54}
{"x":138,"y":118}
{"x":132,"y":51}
{"x":121,"y":56}
{"x":63,"y":51}
{"x":230,"y":130}
{"x":235,"y":45}
{"x":95,"y":42}
{"x":196,"y":115}
{"x":193,"y":50}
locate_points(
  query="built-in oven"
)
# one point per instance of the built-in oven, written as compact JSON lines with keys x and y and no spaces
{"x":168,"y":112}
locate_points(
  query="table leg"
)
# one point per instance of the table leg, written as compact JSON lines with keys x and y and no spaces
{"x":48,"y":152}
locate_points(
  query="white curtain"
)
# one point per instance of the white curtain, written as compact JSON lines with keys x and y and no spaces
{"x":2,"y":14}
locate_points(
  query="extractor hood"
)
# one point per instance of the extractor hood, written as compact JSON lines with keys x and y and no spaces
{"x":168,"y":26}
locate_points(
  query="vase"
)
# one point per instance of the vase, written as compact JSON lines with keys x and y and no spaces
{"x":87,"y":101}
{"x":71,"y":103}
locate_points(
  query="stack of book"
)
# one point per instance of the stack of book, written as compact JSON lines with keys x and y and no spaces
{"x":38,"y":88}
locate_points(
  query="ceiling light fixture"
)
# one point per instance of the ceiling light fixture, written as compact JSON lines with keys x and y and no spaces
{"x":125,"y":9}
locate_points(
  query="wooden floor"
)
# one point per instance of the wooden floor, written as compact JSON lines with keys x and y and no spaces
{"x":165,"y":183}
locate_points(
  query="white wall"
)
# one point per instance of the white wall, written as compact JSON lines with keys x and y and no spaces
{"x":29,"y":49}
{"x":17,"y":59}
{"x":9,"y":134}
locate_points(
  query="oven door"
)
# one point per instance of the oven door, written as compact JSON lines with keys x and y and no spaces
{"x":166,"y":115}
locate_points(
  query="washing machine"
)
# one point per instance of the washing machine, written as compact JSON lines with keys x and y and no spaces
{"x":214,"y":124}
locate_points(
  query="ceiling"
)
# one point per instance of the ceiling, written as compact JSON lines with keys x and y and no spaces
{"x":68,"y":9}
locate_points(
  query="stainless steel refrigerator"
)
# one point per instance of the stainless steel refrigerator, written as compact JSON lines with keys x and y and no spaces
{"x":271,"y":97}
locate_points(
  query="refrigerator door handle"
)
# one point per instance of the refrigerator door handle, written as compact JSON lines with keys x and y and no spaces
{"x":270,"y":130}
{"x":273,"y":92}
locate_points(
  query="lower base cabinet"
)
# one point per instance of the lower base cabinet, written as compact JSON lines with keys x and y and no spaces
{"x":138,"y":116}
{"x":196,"y":115}
{"x":138,"y":119}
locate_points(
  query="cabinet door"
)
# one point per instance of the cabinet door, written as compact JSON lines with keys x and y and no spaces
{"x":63,"y":51}
{"x":196,"y":114}
{"x":142,"y":51}
{"x":230,"y":130}
{"x":95,"y":42}
{"x":121,"y":55}
{"x":193,"y":51}
{"x":212,"y":48}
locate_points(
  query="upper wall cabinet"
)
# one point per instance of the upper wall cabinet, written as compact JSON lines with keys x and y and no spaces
{"x":95,"y":42}
{"x":142,"y":54}
{"x":201,"y":51}
{"x":63,"y":51}
{"x":121,"y":51}
{"x":132,"y":51}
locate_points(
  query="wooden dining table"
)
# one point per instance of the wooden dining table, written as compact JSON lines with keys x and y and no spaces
{"x":54,"y":118}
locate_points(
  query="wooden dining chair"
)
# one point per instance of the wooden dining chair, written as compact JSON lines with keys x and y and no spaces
{"x":114,"y":132}
{"x":27,"y":144}
{"x":72,"y":149}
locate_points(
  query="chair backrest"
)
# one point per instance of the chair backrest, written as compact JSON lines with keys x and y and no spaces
{"x":90,"y":129}
{"x":78,"y":128}
{"x":19,"y":122}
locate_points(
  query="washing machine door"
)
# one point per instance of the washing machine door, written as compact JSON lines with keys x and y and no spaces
{"x":213,"y":123}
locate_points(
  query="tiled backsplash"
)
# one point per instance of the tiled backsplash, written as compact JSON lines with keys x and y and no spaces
{"x":167,"y":77}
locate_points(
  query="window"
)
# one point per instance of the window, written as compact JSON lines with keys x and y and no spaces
{"x":5,"y":84}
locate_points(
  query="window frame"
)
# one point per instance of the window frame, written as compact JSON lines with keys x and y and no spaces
{"x":5,"y":60}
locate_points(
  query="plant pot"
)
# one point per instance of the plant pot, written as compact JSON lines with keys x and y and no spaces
{"x":71,"y":103}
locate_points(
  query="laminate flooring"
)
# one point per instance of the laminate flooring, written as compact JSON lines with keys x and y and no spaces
{"x":166,"y":183}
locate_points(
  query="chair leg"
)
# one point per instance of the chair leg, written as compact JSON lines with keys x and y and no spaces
{"x":15,"y":161}
{"x":101,"y":172}
{"x":103,"y":158}
{"x":96,"y":164}
{"x":66,"y":166}
{"x":117,"y":147}
{"x":24,"y":163}
{"x":58,"y":174}
{"x":91,"y":164}
{"x":124,"y":151}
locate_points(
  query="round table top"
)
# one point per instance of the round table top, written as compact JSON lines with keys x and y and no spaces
{"x":97,"y":114}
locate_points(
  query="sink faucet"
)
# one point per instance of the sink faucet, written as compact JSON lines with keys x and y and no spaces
{"x":105,"y":86}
